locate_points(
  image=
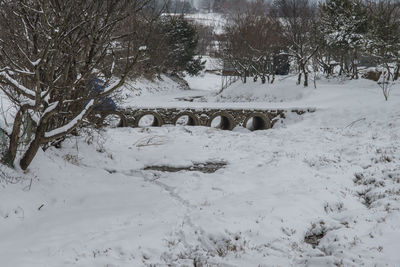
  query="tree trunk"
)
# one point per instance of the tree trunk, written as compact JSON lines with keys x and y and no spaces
{"x":299,"y":78}
{"x":34,"y":146}
{"x":11,"y":153}
{"x":355,"y":69}
{"x":396,"y":72}
{"x":341,"y":66}
{"x":246,"y":73}
{"x":315,"y":81}
{"x":305,"y":78}
{"x":346,"y":68}
{"x":30,"y":153}
{"x":305,"y":72}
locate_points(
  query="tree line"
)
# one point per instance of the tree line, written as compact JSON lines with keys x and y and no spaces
{"x":334,"y":35}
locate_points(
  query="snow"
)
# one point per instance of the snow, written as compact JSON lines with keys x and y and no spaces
{"x":251,"y":91}
{"x":37,"y":62}
{"x":213,"y":82}
{"x":51,"y":107}
{"x":332,"y":175}
{"x":142,"y":89}
{"x":212,"y":64}
{"x":215,"y":20}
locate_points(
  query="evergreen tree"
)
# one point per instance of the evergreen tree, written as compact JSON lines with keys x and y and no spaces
{"x":182,"y":40}
{"x":344,"y":25}
{"x":384,"y":34}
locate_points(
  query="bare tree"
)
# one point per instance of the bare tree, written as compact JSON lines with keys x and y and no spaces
{"x":253,"y":39}
{"x":299,"y":17}
{"x":384,"y":40}
{"x":206,"y":38}
{"x":50,"y":52}
{"x":146,"y":29}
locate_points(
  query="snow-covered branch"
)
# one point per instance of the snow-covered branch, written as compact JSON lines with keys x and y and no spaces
{"x":63,"y":130}
{"x":16,"y":85}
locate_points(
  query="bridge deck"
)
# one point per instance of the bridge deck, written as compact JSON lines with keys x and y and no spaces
{"x":221,"y":106}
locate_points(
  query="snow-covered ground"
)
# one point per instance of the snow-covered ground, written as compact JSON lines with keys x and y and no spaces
{"x":214,"y":20}
{"x":321,"y":189}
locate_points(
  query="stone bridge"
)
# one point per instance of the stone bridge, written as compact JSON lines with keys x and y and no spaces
{"x":253,"y":119}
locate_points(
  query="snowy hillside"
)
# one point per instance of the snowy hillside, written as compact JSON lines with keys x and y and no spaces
{"x":321,"y":189}
{"x":214,"y":20}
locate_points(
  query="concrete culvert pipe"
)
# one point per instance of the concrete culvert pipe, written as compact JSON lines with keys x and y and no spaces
{"x":222,"y":120}
{"x":113,"y":118}
{"x":149,"y":119}
{"x":257,"y":121}
{"x":186,"y":118}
